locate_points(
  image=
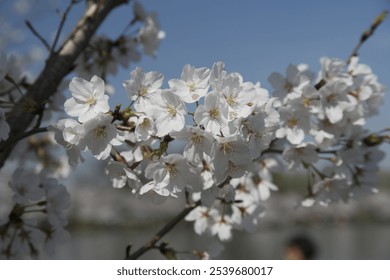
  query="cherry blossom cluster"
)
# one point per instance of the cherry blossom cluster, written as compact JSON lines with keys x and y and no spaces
{"x":324,"y":127}
{"x":37,"y":218}
{"x":236,"y":136}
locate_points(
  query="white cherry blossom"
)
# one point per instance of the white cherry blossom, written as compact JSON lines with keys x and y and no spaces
{"x":203,"y":218}
{"x":26,"y":186}
{"x":294,"y":124}
{"x":169,"y":112}
{"x":68,"y":129}
{"x":142,"y":88}
{"x":333,"y":68}
{"x":150,"y":35}
{"x":288,"y":87}
{"x":170,"y":175}
{"x":57,"y":200}
{"x":200,"y":142}
{"x":144,"y":127}
{"x":299,"y":155}
{"x":193,"y":85}
{"x":222,"y":227}
{"x":239,"y":96}
{"x":257,"y":134}
{"x":213,"y":114}
{"x":98,"y":136}
{"x":121,"y":175}
{"x":217,"y":75}
{"x":334,"y":100}
{"x":231,"y":157}
{"x":88,"y":99}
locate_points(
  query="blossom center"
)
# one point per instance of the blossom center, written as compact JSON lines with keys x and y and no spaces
{"x":143,"y":91}
{"x":191,"y":86}
{"x":328,"y":186}
{"x":22,"y":190}
{"x":196,"y":138}
{"x":331,"y":98}
{"x":205,"y":214}
{"x":171,"y":111}
{"x":292,"y":122}
{"x":307,"y":102}
{"x":171,"y":169}
{"x":226,"y":148}
{"x":100,"y":132}
{"x":91,"y":101}
{"x":259,"y":136}
{"x":231,"y":101}
{"x":214,"y":113}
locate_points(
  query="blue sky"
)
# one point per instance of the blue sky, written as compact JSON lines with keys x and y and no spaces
{"x":253,"y":37}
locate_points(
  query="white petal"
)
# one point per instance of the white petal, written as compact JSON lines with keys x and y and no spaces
{"x":74,"y":109}
{"x":295,"y":136}
{"x":147,"y":187}
{"x":334,"y":113}
{"x":80,"y":89}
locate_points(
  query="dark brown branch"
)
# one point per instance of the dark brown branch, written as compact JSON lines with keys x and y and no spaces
{"x":58,"y":65}
{"x":32,"y":132}
{"x":12,"y":81}
{"x":167,"y":228}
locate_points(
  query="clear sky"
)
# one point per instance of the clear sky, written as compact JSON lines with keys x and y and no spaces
{"x":254,"y":37}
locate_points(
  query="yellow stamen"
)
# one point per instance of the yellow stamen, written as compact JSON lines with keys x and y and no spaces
{"x":171,"y":169}
{"x":143,"y":91}
{"x":91,"y":101}
{"x":227,"y":149}
{"x":292,"y":122}
{"x":196,"y":138}
{"x":214,"y":113}
{"x":100,"y":132}
{"x":191,"y":86}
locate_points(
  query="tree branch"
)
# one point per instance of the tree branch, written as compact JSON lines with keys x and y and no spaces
{"x":63,"y":19}
{"x":35,"y":32}
{"x":167,"y":228}
{"x":367,"y":34}
{"x":58,"y":65}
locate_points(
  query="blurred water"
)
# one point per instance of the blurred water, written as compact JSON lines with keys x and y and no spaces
{"x":334,"y":242}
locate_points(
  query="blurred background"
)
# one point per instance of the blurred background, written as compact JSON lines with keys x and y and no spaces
{"x":254,"y":38}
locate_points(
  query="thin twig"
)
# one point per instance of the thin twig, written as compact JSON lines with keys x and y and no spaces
{"x":12,"y":81}
{"x":63,"y":19}
{"x":367,"y":34}
{"x":115,"y":155}
{"x":31,"y":27}
{"x":167,"y":228}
